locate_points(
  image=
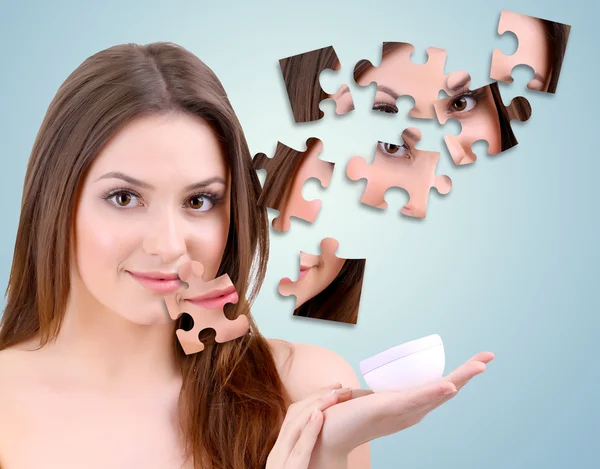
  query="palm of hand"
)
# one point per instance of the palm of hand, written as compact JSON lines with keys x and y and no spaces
{"x":371,"y":415}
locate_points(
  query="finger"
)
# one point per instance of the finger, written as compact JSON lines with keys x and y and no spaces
{"x":321,"y":399}
{"x":484,"y":357}
{"x":296,"y":407}
{"x":416,"y":398}
{"x":301,"y":453}
{"x":464,"y":373}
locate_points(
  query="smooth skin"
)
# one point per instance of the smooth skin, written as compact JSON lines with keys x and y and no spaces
{"x":105,"y":392}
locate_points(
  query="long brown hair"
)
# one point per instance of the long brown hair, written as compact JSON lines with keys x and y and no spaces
{"x":557,"y":36}
{"x":340,"y":300}
{"x":232,"y":399}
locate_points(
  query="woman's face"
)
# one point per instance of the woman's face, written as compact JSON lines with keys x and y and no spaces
{"x":155,"y":197}
{"x":316,"y":273}
{"x":476,"y":111}
{"x":532,"y":50}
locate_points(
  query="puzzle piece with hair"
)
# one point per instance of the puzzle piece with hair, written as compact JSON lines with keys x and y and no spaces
{"x":204,"y":301}
{"x":328,"y":287}
{"x":541,"y":45}
{"x":397,"y":75}
{"x":301,"y":76}
{"x":287,"y":171}
{"x":402,"y":166}
{"x":482,"y":116}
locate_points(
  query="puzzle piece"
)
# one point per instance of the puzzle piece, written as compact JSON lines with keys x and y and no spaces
{"x":402,"y":166}
{"x":482,"y":116}
{"x":542,"y":46}
{"x":301,"y":77}
{"x":204,"y":302}
{"x":397,"y":75}
{"x":328,"y":287}
{"x":287,"y":172}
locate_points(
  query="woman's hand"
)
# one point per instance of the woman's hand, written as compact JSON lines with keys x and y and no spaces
{"x":301,"y":426}
{"x":362,"y":419}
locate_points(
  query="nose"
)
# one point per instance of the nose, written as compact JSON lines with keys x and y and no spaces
{"x":166,"y":237}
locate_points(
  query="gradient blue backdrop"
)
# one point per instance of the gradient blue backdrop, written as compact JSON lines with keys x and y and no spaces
{"x":507,"y":262}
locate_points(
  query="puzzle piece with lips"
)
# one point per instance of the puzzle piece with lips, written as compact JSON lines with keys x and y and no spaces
{"x":402,"y":166}
{"x":204,"y":301}
{"x":397,"y":75}
{"x":287,"y":171}
{"x":301,"y":76}
{"x":315,"y":279}
{"x":482,"y":116}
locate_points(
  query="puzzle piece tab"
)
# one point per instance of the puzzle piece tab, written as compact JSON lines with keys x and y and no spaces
{"x":328,"y":287}
{"x":204,"y":302}
{"x":482,"y":115}
{"x":301,"y":75}
{"x":397,"y":75}
{"x":542,"y":46}
{"x":287,"y":172}
{"x":402,"y":166}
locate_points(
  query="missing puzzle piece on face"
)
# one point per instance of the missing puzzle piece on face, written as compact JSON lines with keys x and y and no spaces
{"x":287,"y":172}
{"x":204,"y":301}
{"x":328,"y":287}
{"x":541,"y":45}
{"x":482,"y":116}
{"x":301,"y":75}
{"x":402,"y":166}
{"x":397,"y":75}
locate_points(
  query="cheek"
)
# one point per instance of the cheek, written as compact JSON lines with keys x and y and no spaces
{"x":102,"y":244}
{"x":208,"y":240}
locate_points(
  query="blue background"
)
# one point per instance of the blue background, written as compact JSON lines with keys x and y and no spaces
{"x":507,"y":262}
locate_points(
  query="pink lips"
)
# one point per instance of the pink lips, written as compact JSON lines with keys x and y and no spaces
{"x":216,"y":299}
{"x":157,"y":281}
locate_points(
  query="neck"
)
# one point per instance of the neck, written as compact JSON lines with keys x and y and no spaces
{"x":99,"y":345}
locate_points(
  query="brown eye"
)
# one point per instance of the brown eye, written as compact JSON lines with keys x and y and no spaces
{"x":196,"y":202}
{"x":459,"y":104}
{"x":391,"y":148}
{"x":394,"y":151}
{"x":462,"y":104}
{"x":123,"y":199}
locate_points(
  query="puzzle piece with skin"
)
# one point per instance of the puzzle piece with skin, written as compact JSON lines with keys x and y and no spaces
{"x":482,"y":116}
{"x":541,"y":46}
{"x":204,"y":302}
{"x":301,"y":76}
{"x":397,"y":75}
{"x":412,"y":170}
{"x":287,"y":172}
{"x":324,"y":268}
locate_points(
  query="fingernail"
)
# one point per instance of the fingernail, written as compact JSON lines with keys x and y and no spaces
{"x":314,"y":414}
{"x":450,"y":391}
{"x":337,"y":385}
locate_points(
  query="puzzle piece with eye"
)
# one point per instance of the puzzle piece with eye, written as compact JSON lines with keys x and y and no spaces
{"x":204,"y":301}
{"x":482,"y":116}
{"x":287,"y":172}
{"x":315,"y":290}
{"x":541,"y":45}
{"x":301,"y":76}
{"x":401,"y":166}
{"x":397,"y":75}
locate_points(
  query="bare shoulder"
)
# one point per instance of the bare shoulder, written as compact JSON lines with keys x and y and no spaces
{"x":305,"y":367}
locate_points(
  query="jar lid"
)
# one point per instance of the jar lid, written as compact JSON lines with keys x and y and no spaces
{"x":398,"y":352}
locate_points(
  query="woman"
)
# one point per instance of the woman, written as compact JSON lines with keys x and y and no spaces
{"x":140,"y":166}
{"x":328,"y":287}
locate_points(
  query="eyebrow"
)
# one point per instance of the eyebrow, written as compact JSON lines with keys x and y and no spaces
{"x":461,"y":84}
{"x":145,"y":185}
{"x":388,"y":91}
